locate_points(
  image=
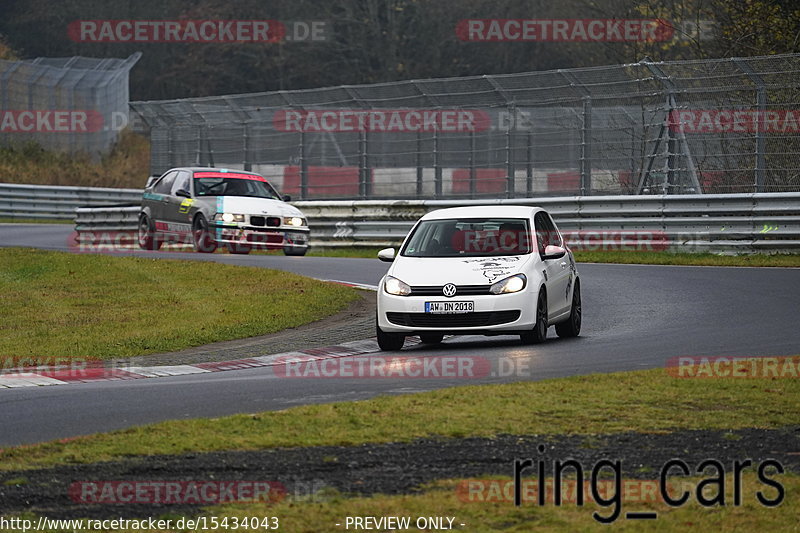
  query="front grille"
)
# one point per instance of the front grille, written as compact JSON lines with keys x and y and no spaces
{"x":258,"y":220}
{"x":265,"y":238}
{"x":463,"y":320}
{"x":461,"y":290}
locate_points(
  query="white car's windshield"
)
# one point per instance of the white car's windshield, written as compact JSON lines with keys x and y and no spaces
{"x":234,"y":186}
{"x":468,"y":237}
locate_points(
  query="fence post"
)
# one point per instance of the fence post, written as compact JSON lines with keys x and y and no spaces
{"x":669,"y":182}
{"x":418,"y":162}
{"x":367,"y":168}
{"x":362,"y":165}
{"x":761,"y":105}
{"x":303,"y":167}
{"x":510,"y":184}
{"x":473,"y":185}
{"x":200,"y":138}
{"x":437,"y":167}
{"x":529,"y":166}
{"x":247,"y":164}
{"x":170,"y":150}
{"x":586,"y":147}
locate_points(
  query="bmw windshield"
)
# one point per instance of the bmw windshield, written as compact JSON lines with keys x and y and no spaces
{"x":234,"y":185}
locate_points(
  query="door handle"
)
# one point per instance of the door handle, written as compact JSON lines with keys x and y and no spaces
{"x":563,"y":264}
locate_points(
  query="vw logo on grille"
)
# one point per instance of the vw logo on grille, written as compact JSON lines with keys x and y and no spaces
{"x":449,"y":290}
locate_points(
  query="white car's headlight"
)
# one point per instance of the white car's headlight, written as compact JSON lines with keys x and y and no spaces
{"x":511,"y":284}
{"x":394,"y":286}
{"x":229,"y":217}
{"x":294,"y":221}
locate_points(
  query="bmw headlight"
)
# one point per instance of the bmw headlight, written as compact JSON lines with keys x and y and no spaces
{"x":511,"y":284}
{"x":394,"y":286}
{"x":229,"y":217}
{"x":294,"y":221}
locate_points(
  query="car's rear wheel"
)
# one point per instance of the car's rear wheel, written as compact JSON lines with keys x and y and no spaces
{"x":539,"y":331}
{"x":147,"y":234}
{"x":431,"y":338}
{"x":389,"y":342}
{"x":295,"y":250}
{"x":572,"y":327}
{"x":203,"y":241}
{"x":237,"y":248}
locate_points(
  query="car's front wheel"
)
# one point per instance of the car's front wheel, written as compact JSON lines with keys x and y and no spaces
{"x":431,"y":338}
{"x":572,"y":327}
{"x":389,"y":342}
{"x":238,"y":248}
{"x":539,"y":331}
{"x":147,"y":234}
{"x":203,"y":241}
{"x":295,"y":250}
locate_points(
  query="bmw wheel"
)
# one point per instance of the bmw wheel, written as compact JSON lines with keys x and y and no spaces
{"x":238,"y":248}
{"x":203,"y":242}
{"x":147,"y":234}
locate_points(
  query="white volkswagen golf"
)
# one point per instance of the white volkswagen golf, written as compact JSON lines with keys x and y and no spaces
{"x":484,"y":270}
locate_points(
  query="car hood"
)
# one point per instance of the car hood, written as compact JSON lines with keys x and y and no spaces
{"x":255,"y":206}
{"x":461,"y":271}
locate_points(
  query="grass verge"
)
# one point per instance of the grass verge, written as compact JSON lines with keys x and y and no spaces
{"x":126,"y":166}
{"x":69,"y":306}
{"x":686,"y":259}
{"x":618,"y":257}
{"x":645,"y":401}
{"x":322,"y":511}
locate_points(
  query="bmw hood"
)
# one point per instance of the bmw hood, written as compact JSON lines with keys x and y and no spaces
{"x":460,"y":271}
{"x":246,"y":205}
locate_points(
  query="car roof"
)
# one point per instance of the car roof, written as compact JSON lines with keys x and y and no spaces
{"x":213,"y":169}
{"x":484,"y":211}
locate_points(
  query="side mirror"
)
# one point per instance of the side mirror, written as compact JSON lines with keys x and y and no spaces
{"x":287,"y":198}
{"x":387,"y":255}
{"x":183,"y":192}
{"x":554,"y":252}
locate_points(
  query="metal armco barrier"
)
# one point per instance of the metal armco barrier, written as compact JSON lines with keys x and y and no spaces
{"x":58,"y":203}
{"x":738,"y":223}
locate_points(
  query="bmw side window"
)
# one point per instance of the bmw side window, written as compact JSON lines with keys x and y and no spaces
{"x":164,"y":186}
{"x":183,"y":182}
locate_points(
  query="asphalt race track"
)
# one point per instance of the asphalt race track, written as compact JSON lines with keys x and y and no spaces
{"x":635,"y":317}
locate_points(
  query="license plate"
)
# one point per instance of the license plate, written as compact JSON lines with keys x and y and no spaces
{"x":449,"y":307}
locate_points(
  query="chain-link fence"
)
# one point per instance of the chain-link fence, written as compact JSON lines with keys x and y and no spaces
{"x":721,"y":126}
{"x":75,"y":105}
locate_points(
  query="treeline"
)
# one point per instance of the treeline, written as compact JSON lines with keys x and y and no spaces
{"x":368,"y":41}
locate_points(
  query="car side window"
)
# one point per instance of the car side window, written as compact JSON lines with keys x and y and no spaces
{"x":541,"y":232}
{"x":555,"y":237}
{"x":183,"y":181}
{"x":164,"y":185}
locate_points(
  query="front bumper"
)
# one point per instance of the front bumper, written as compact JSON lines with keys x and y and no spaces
{"x":492,"y":314}
{"x":261,"y":237}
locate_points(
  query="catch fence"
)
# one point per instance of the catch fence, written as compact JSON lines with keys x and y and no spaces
{"x":681,"y":127}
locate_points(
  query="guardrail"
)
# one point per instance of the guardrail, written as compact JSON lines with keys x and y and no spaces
{"x":58,"y":203}
{"x":738,"y":223}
